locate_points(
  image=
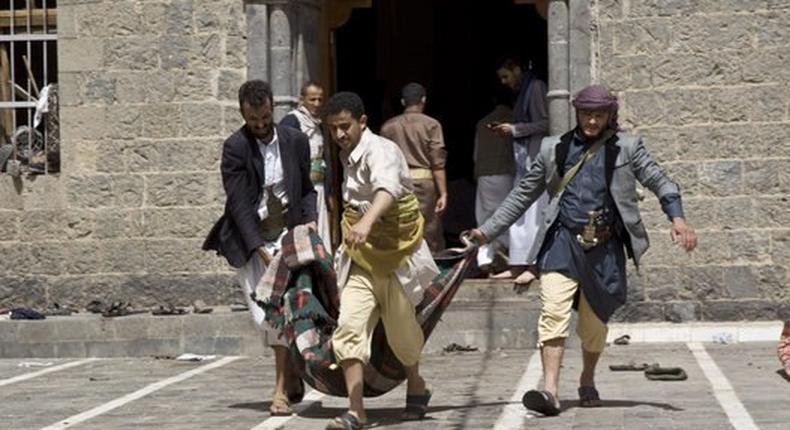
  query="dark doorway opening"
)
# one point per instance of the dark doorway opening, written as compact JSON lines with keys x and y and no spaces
{"x":450,"y":47}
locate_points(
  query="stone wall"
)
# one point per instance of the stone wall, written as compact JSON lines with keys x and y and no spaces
{"x":148,"y":93}
{"x":707,"y":84}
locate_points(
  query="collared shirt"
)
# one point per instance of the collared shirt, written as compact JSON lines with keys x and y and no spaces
{"x":274,"y":178}
{"x":377,"y":164}
{"x":420,"y":138}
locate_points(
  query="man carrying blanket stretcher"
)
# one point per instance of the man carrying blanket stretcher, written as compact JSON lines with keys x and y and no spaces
{"x":384,"y":265}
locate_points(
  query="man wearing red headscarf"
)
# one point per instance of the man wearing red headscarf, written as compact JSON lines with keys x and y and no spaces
{"x":592,"y":220}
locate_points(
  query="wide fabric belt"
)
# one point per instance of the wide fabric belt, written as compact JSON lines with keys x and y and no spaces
{"x":420,"y":173}
{"x":392,"y":239}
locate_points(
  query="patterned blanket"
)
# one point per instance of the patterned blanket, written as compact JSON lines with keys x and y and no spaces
{"x":303,"y":303}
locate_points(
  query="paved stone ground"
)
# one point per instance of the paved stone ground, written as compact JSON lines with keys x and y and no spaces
{"x":471,"y":390}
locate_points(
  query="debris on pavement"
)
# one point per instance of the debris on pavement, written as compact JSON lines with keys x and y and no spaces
{"x":29,"y":364}
{"x":238,"y":307}
{"x":99,"y":378}
{"x":723,"y":338}
{"x":194,"y":357}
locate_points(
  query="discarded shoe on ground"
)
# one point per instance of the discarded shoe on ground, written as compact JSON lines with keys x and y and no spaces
{"x":96,"y":307}
{"x":199,"y":307}
{"x":454,"y":347}
{"x":169,"y":309}
{"x":631,"y":366}
{"x":58,"y":310}
{"x":623,"y":340}
{"x":657,"y":373}
{"x":540,"y":401}
{"x":120,"y":309}
{"x":26,"y":314}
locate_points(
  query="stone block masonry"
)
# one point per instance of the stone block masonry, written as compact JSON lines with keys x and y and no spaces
{"x":148,"y":96}
{"x":706,"y":84}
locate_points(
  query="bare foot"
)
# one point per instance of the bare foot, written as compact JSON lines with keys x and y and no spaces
{"x":525,"y":278}
{"x":509,"y":273}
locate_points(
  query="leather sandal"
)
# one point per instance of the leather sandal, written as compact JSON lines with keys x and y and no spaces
{"x":541,"y":401}
{"x":589,"y":397}
{"x":280,"y":406}
{"x":416,"y":406}
{"x":347,"y":421}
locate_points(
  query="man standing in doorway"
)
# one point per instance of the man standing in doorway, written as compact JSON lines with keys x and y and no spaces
{"x":307,"y":119}
{"x":266,"y":176}
{"x":493,"y":157}
{"x":384,"y":265}
{"x":592,"y":219}
{"x":530,"y":125}
{"x":421,"y":139}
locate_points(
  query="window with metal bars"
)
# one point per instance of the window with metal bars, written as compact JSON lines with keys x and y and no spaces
{"x":29,"y":125}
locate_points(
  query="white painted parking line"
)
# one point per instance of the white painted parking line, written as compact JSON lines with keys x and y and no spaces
{"x":514,"y":412}
{"x":32,"y":375}
{"x":725,"y":394}
{"x":120,"y":401}
{"x":273,"y":423}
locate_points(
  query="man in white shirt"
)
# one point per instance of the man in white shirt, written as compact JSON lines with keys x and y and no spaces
{"x":384,"y":264}
{"x":266,"y":176}
{"x":306,"y":118}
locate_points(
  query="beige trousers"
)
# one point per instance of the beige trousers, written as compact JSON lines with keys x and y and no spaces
{"x":364,"y":300}
{"x":556,"y":295}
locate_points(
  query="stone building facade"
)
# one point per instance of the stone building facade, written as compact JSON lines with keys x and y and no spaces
{"x":148,"y":93}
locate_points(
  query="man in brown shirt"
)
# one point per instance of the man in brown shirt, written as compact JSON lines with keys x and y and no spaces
{"x":422,"y":142}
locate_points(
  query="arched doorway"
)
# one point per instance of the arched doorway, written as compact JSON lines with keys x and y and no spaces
{"x":450,"y":47}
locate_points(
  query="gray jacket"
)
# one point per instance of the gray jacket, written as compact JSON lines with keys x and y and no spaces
{"x":627,"y":161}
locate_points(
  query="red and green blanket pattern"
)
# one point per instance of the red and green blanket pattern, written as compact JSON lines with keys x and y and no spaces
{"x":304,"y":304}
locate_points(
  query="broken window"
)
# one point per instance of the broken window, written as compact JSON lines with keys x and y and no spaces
{"x":29,"y":132}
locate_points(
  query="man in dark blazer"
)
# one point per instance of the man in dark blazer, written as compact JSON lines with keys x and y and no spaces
{"x":266,"y":175}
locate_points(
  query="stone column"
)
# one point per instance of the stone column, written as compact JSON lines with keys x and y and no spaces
{"x":280,"y":58}
{"x":257,"y":40}
{"x":308,"y":48}
{"x":580,"y":47}
{"x":559,"y":93}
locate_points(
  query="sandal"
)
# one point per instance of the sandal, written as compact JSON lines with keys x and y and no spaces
{"x":589,"y":397}
{"x":280,"y":406}
{"x":631,"y":366}
{"x":199,"y":307}
{"x":347,"y":421}
{"x":542,"y":402}
{"x":656,"y":373}
{"x":416,"y":406}
{"x":119,"y":309}
{"x":168,"y":309}
{"x":623,"y":340}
